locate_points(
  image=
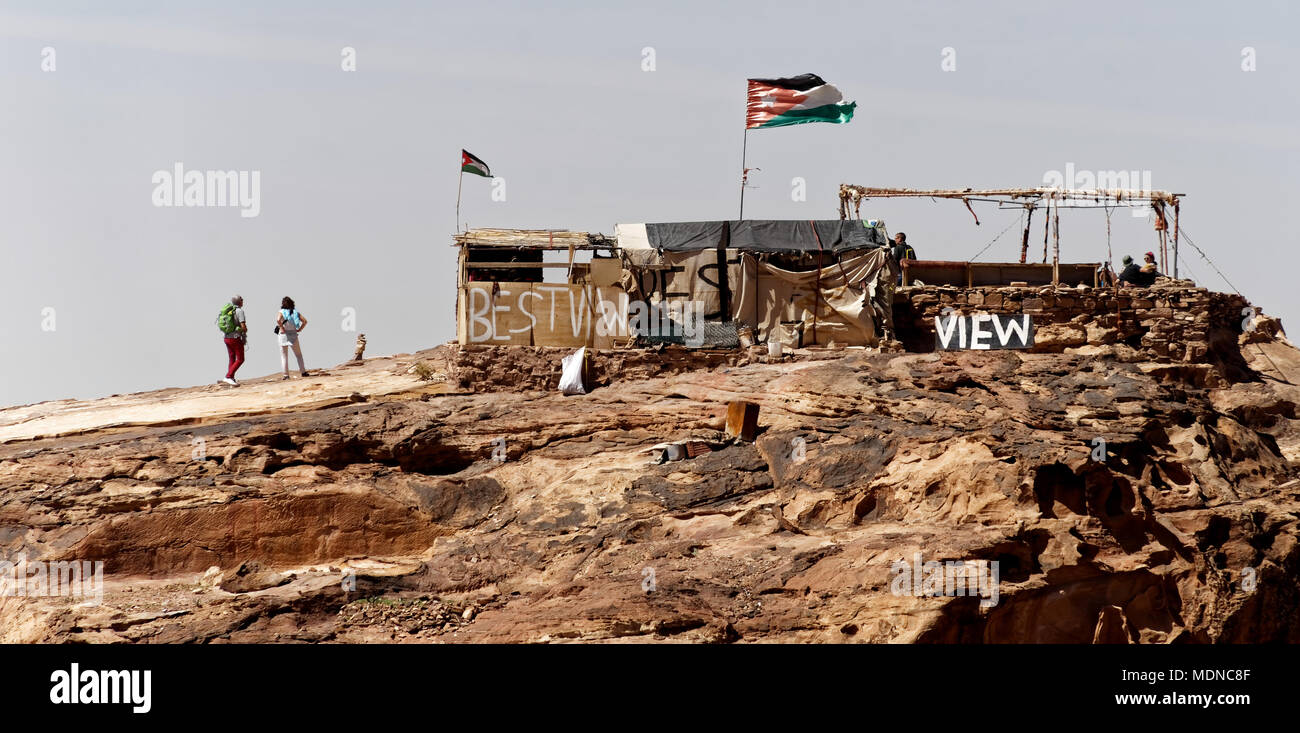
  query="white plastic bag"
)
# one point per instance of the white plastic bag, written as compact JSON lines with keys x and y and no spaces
{"x":571,"y":373}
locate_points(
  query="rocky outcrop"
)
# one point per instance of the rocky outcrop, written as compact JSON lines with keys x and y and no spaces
{"x":1122,"y":497}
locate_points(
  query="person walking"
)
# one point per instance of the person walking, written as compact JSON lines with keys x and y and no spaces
{"x":289,"y":324}
{"x":234,"y":331}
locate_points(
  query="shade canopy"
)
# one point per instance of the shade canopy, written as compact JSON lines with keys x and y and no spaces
{"x":751,"y":235}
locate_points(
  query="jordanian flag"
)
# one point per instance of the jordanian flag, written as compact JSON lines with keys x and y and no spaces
{"x":470,"y":164}
{"x":794,"y":101}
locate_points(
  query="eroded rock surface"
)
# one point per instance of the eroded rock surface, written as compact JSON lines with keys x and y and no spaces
{"x":388,"y":517}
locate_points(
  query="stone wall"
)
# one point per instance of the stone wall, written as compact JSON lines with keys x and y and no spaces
{"x":475,"y":368}
{"x":1172,"y":322}
{"x":1175,"y":322}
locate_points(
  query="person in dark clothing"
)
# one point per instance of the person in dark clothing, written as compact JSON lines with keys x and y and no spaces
{"x":1130,"y":270}
{"x":1134,"y":276}
{"x":902,"y":251}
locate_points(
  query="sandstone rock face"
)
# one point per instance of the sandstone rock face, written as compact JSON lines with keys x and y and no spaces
{"x":1124,"y":497}
{"x":1055,"y":338}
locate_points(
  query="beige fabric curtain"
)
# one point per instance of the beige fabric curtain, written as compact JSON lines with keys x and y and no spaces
{"x":841,"y":302}
{"x":693,"y":276}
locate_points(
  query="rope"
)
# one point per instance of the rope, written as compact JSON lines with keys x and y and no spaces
{"x":817,"y":289}
{"x":999,"y":236}
{"x":1182,"y":233}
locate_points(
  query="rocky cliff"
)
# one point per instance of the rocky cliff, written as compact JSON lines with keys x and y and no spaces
{"x":1123,"y":495}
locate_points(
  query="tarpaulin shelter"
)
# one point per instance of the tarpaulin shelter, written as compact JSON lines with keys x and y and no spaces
{"x":802,"y":282}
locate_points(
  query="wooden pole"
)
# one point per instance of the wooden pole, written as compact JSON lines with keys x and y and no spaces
{"x":1056,"y":248}
{"x":817,"y":289}
{"x":1176,"y":206}
{"x":1110,"y":256}
{"x":459,"y":180}
{"x":1164,"y":247}
{"x":744,"y":149}
{"x":1164,"y":235}
{"x":1047,"y":223}
{"x":1024,"y":241}
{"x":1034,"y":194}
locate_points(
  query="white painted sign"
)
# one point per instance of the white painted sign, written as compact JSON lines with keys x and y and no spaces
{"x":983,"y":331}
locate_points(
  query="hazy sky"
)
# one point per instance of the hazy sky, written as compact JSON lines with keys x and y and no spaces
{"x":358,"y":168}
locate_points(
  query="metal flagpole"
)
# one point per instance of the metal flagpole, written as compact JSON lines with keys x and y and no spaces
{"x":460,"y":180}
{"x":744,"y":149}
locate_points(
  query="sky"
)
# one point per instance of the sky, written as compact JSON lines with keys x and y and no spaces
{"x":591,"y":114}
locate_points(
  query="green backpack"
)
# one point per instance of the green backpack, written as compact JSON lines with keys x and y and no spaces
{"x":226,"y":319}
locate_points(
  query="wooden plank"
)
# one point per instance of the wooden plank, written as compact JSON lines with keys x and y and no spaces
{"x":533,"y":245}
{"x":606,"y":272}
{"x":1127,"y":196}
{"x":512,"y":265}
{"x":460,"y":296}
{"x":547,"y":239}
{"x":565,"y":315}
{"x":496,"y":318}
{"x":742,"y":420}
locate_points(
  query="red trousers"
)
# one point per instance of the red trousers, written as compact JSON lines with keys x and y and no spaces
{"x":235,"y":350}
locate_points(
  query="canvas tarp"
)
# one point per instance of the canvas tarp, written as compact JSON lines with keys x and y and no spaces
{"x":631,"y":237}
{"x":750,"y":235}
{"x":694,"y":276}
{"x":831,"y":235}
{"x":842,"y":302}
{"x":849,"y":299}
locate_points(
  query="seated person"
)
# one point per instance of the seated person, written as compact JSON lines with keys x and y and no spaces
{"x":1134,"y":276}
{"x":1149,"y":264}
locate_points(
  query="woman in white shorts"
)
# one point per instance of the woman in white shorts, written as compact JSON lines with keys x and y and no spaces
{"x":289,"y":324}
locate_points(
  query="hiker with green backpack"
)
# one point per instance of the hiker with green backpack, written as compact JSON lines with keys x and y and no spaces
{"x":234,"y":330}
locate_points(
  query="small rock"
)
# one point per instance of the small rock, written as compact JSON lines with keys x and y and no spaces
{"x":211,"y":578}
{"x":250,"y":576}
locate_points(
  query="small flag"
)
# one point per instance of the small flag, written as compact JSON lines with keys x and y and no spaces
{"x":793,"y":101}
{"x":470,"y":164}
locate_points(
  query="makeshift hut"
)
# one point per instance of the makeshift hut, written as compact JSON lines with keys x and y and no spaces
{"x":799,"y":282}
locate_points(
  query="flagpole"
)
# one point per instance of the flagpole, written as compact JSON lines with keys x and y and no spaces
{"x":744,"y":149}
{"x":459,"y":180}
